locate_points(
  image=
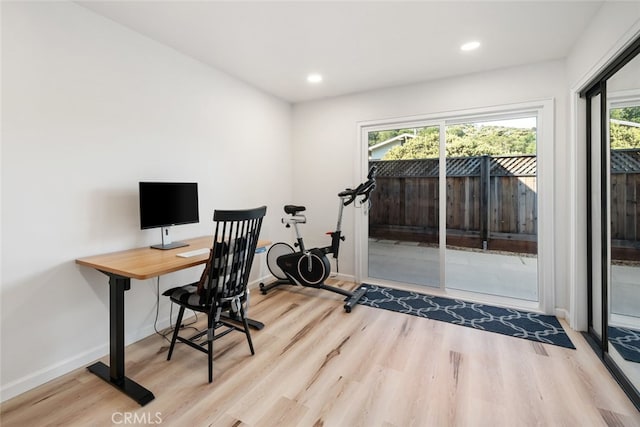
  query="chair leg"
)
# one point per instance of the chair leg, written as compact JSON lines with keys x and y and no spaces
{"x":175,"y":332}
{"x":210,"y":351}
{"x":210,"y":336}
{"x":246,"y":329}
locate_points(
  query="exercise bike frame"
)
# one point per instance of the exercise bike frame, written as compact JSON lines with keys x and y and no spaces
{"x":318,"y":267}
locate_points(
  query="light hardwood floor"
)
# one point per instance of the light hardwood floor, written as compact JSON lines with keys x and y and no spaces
{"x":316,"y":365}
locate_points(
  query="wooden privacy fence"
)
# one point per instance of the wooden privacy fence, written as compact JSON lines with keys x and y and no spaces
{"x":491,"y":202}
{"x":625,"y":204}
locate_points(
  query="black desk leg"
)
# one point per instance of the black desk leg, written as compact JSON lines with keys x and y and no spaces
{"x":114,"y":374}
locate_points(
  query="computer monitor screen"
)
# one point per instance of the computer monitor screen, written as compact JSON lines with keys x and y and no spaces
{"x":163,"y":204}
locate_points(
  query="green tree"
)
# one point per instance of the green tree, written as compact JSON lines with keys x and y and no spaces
{"x":629,"y":114}
{"x":425,"y":145}
{"x":622,"y":135}
{"x":466,"y":140}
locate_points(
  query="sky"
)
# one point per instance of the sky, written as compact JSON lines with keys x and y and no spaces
{"x":525,"y":123}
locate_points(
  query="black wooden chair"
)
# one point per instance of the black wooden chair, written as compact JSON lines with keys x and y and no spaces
{"x":222,"y":287}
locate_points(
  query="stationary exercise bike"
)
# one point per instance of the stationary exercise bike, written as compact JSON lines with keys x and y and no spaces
{"x":311,"y":267}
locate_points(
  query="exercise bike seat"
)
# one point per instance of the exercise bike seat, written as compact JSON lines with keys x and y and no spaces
{"x":293,"y":209}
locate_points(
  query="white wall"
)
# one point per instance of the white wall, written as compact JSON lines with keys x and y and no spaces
{"x":615,"y":25}
{"x":89,"y":109}
{"x":326,"y":142}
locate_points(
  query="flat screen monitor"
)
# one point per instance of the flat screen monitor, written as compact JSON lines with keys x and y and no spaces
{"x":164,"y":204}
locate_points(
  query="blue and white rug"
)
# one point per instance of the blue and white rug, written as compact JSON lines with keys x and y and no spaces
{"x":506,"y":321}
{"x":626,"y":341}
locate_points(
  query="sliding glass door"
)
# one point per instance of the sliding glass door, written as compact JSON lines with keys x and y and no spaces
{"x":456,"y":206}
{"x":613,"y":221}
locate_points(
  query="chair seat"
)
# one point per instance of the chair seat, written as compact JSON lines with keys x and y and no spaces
{"x":188,"y":296}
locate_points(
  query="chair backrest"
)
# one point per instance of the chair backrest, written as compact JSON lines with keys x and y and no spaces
{"x":235,"y":238}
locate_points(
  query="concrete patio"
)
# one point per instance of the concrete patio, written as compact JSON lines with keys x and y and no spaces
{"x":501,"y":274}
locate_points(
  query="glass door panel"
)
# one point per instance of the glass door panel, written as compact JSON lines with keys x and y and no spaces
{"x":404,"y":218}
{"x":623,"y":330}
{"x":492,"y":208}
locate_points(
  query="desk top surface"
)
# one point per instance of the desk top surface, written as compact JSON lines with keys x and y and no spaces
{"x":144,"y":263}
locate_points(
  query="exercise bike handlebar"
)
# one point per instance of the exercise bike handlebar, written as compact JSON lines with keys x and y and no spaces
{"x":364,"y":189}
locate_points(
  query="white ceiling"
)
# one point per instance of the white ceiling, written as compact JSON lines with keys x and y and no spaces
{"x":356,"y":45}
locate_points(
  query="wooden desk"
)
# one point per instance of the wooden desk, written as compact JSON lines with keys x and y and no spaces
{"x":121,"y":267}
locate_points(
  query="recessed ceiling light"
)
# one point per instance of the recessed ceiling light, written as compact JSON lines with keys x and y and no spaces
{"x":314,"y":78}
{"x":470,"y":46}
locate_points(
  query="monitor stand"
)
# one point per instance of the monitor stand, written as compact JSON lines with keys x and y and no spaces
{"x":166,"y":241}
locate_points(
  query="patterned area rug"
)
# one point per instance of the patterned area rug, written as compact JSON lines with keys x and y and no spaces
{"x":506,"y":321}
{"x":626,"y":341}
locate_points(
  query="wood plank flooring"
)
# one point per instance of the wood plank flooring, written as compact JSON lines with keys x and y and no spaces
{"x":316,"y":365}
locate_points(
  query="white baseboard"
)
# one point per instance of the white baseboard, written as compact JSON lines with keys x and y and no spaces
{"x":343,"y":277}
{"x":47,"y":374}
{"x":562,"y":313}
{"x":85,"y":358}
{"x":269,"y":278}
{"x":254,"y":284}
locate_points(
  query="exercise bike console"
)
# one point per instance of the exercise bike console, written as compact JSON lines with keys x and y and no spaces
{"x":312,"y":267}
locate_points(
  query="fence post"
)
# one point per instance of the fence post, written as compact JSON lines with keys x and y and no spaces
{"x":485,"y":209}
{"x":402,"y":202}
